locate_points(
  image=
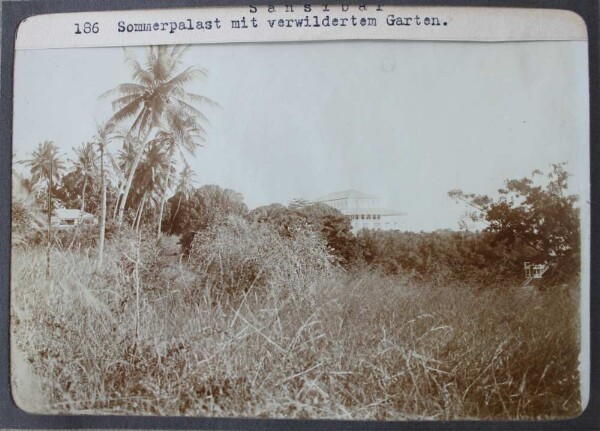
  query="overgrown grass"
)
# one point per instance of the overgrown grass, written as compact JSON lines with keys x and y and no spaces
{"x":146,"y":336}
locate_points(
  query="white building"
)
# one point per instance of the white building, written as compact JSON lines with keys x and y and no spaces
{"x":365,"y":211}
{"x":64,"y":218}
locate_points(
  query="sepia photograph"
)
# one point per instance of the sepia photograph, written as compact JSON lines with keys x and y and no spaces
{"x":360,"y":230}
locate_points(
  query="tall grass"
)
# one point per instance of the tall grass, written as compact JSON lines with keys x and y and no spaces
{"x":357,"y":346}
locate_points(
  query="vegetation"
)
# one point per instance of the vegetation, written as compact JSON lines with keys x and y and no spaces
{"x":182,"y":301}
{"x":541,"y":219}
{"x":158,"y":100}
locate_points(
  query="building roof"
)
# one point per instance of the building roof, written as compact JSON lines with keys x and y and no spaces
{"x":346,"y":194}
{"x":64,"y":213}
{"x":380,"y":211}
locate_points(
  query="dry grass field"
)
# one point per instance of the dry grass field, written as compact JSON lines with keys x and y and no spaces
{"x":156,"y":333}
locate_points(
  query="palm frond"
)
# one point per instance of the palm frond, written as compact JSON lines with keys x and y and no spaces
{"x":127,"y":112}
{"x":193,"y":98}
{"x":190,"y":74}
{"x":127,"y":89}
{"x":141,"y":75}
{"x":121,"y":102}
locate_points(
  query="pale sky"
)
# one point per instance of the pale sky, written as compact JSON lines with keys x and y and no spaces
{"x":407,"y":121}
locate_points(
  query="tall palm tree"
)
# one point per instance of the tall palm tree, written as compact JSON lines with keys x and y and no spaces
{"x":185,"y":188}
{"x":104,"y":135}
{"x":46,"y":164}
{"x":86,"y":164}
{"x":179,"y":138}
{"x":156,"y":97}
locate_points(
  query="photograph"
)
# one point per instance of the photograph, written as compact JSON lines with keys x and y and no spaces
{"x":379,"y":230}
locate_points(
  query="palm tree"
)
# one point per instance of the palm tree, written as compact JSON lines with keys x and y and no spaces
{"x":125,"y":159}
{"x":185,"y":188}
{"x":104,"y":135}
{"x":149,"y":180}
{"x":86,"y":164}
{"x":156,"y":97}
{"x":181,"y":138}
{"x":46,"y":164}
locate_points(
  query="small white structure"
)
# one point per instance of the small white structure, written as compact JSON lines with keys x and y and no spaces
{"x":66,"y":218}
{"x":365,"y":211}
{"x":534,"y":271}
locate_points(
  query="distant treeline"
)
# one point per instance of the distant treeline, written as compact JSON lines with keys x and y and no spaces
{"x":528,"y":223}
{"x":534,"y":224}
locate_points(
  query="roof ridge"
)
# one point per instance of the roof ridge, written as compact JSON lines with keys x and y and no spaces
{"x":346,"y":194}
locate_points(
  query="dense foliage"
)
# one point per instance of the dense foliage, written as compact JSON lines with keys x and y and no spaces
{"x":533,"y":219}
{"x":207,"y":206}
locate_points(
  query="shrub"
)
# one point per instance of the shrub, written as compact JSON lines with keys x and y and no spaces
{"x":239,"y":255}
{"x":24,"y":227}
{"x":207,"y":206}
{"x":444,"y":257}
{"x":334,"y":227}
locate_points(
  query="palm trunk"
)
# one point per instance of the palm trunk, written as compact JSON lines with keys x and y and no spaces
{"x":80,"y":218}
{"x":49,"y":221}
{"x":175,"y":215}
{"x":134,"y":167}
{"x":116,"y":208}
{"x":119,"y":195}
{"x":83,"y":196}
{"x":164,"y":198}
{"x":128,"y":185}
{"x":135,"y":218}
{"x":139,"y":221}
{"x":102,"y":208}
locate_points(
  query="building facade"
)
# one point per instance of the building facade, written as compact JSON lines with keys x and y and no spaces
{"x":365,"y":211}
{"x":66,"y":218}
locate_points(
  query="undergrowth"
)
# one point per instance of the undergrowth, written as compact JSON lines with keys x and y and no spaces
{"x":147,"y":335}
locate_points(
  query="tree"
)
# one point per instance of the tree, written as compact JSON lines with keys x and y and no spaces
{"x":149,"y":178}
{"x":535,"y":212}
{"x":86,"y":166}
{"x":46,"y":164}
{"x":104,"y":135}
{"x":156,"y":98}
{"x":181,"y":138}
{"x":208,"y":205}
{"x":122,"y":164}
{"x":183,"y":191}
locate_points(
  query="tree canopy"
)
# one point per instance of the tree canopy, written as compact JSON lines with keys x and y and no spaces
{"x":536,"y":213}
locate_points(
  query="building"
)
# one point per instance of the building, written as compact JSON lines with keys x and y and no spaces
{"x":64,"y":218}
{"x":365,"y":211}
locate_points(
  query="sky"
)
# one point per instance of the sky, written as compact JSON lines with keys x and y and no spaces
{"x":404,"y":120}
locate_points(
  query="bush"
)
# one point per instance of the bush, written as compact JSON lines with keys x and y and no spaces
{"x":334,"y":227}
{"x":83,"y":236}
{"x":444,"y":257}
{"x":25,"y":230}
{"x":207,"y":206}
{"x":239,"y":255}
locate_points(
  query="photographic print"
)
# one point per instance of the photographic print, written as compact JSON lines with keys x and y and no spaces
{"x":324,"y":229}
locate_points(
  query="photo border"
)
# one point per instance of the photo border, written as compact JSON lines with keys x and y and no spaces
{"x":11,"y":416}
